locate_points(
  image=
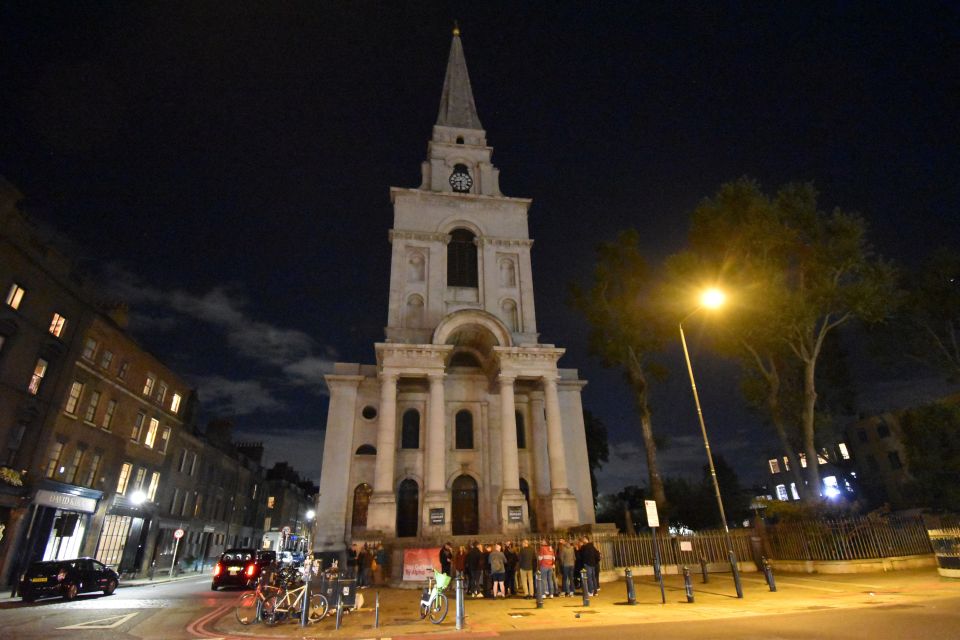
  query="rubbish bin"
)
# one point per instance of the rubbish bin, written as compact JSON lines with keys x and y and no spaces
{"x":946,"y":546}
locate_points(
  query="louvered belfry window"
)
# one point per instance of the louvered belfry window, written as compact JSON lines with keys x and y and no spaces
{"x":462,"y":259}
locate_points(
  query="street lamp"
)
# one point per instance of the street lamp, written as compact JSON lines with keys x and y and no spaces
{"x":711,"y":299}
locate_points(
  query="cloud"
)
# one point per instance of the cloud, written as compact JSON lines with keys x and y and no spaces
{"x":309,"y":372}
{"x":235,"y":397}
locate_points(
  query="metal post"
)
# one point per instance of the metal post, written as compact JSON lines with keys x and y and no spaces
{"x":768,"y":574}
{"x":339,"y":607}
{"x":631,"y":590}
{"x":584,"y":582}
{"x":538,"y":588}
{"x":703,"y":570}
{"x":376,"y":612}
{"x":460,"y":609}
{"x":305,"y":609}
{"x":713,"y":471}
{"x":173,"y":563}
{"x":656,"y":566}
{"x":687,"y":583}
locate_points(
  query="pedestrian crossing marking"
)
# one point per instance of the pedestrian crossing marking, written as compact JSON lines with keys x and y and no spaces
{"x":103,"y":623}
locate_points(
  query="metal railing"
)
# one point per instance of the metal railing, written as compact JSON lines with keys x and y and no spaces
{"x":849,"y":538}
{"x":637,"y":551}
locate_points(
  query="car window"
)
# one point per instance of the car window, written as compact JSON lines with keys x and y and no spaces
{"x":98,"y":567}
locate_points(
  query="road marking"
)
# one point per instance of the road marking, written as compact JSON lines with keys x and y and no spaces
{"x":116,"y":621}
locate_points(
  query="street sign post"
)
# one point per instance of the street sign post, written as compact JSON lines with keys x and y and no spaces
{"x":653,"y":521}
{"x":176,"y":546}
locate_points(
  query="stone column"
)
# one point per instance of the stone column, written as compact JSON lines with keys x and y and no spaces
{"x":436,"y":499}
{"x":563,"y":504}
{"x":511,"y":498}
{"x":382,"y":512}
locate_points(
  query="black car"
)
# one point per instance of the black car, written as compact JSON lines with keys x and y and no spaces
{"x":67,"y":578}
{"x":241,"y":567}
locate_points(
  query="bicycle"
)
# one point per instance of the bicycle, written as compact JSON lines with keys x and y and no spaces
{"x":434,"y":602}
{"x":277,"y":608}
{"x":247,"y":607}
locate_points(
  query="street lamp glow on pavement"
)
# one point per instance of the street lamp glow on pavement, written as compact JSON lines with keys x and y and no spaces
{"x":712,"y":298}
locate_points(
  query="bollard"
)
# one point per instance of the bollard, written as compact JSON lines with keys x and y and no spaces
{"x":339,"y":609}
{"x":631,"y":590}
{"x":538,"y":588}
{"x":305,"y":609}
{"x":703,"y":570}
{"x":768,"y":574}
{"x":688,"y":583}
{"x":259,"y":610}
{"x":736,"y":574}
{"x":376,"y":611}
{"x":586,"y":586}
{"x":460,"y":609}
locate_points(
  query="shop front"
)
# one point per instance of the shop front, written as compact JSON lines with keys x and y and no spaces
{"x":124,"y":536}
{"x":60,"y":519}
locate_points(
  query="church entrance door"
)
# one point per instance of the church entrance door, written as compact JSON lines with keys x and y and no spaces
{"x":408,"y":509}
{"x":465,"y":517}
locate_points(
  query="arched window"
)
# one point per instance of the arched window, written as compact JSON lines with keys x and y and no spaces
{"x":410,"y":436}
{"x":415,"y":267}
{"x":361,"y":501}
{"x":459,"y":139}
{"x":462,"y":259}
{"x":366,"y":450}
{"x":414,"y":313}
{"x":464,"y":430}
{"x":509,"y":311}
{"x":521,"y":432}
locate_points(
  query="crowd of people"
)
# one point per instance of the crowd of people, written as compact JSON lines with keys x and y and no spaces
{"x":500,"y":570}
{"x":365,"y":563}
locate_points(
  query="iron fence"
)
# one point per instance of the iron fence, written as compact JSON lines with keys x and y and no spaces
{"x":849,"y":538}
{"x":710,"y":546}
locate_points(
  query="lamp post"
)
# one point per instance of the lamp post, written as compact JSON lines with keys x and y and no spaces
{"x":711,"y":299}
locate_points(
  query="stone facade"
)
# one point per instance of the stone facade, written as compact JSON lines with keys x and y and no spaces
{"x":466,"y":424}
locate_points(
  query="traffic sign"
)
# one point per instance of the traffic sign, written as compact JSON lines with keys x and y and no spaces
{"x":178,"y":534}
{"x":286,"y":531}
{"x":652,"y":519}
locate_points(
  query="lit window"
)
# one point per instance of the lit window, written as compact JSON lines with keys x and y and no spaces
{"x":151,"y":433}
{"x":786,"y":463}
{"x":175,"y":403}
{"x":73,"y":398}
{"x":148,"y":385}
{"x":15,"y":296}
{"x":137,"y":427}
{"x":830,"y":487}
{"x":822,"y":457}
{"x":782,"y":492}
{"x":39,"y":370}
{"x":124,"y":477}
{"x":164,"y":440}
{"x":57,"y":324}
{"x":108,"y":415}
{"x":90,"y":349}
{"x":793,"y":491}
{"x":270,"y":502}
{"x":93,"y":470}
{"x":74,"y":466}
{"x":162,"y":392}
{"x":154,"y":485}
{"x":844,"y":452}
{"x":92,"y":407}
{"x":106,"y":359}
{"x":138,"y":480}
{"x":122,"y":372}
{"x":53,"y":460}
{"x":803,"y":460}
{"x":774,"y":465}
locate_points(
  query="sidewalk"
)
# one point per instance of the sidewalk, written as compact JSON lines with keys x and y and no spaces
{"x":716,"y":599}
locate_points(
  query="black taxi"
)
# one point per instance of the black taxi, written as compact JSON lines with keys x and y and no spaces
{"x":67,"y":578}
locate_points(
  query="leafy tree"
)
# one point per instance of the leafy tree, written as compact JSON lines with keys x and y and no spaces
{"x":798,"y":273}
{"x":931,"y":437}
{"x":626,"y":330}
{"x":625,"y":508}
{"x":927,"y":331}
{"x":598,"y":450}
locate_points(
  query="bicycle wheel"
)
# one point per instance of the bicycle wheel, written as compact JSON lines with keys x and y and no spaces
{"x":318,"y":607}
{"x":272,"y":611}
{"x":438,"y":610}
{"x":247,"y":608}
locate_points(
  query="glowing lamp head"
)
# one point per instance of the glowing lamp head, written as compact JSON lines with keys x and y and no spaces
{"x":138,"y":497}
{"x":310,"y":514}
{"x":713,"y":298}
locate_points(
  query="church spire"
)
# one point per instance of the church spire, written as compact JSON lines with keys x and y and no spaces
{"x":457,"y":108}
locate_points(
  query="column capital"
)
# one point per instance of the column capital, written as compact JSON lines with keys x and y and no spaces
{"x":388,"y":376}
{"x":435,"y":376}
{"x":507,"y":378}
{"x":550,"y":378}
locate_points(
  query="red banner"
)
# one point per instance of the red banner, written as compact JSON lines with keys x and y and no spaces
{"x":418,"y":564}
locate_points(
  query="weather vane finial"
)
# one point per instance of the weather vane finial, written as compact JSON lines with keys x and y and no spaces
{"x":456,"y":28}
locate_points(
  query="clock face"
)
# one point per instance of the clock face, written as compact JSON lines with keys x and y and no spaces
{"x":460,"y":180}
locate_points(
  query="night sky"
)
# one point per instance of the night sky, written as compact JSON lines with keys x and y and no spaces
{"x":225,"y":167}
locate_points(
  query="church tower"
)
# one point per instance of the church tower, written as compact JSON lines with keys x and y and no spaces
{"x":465,"y":425}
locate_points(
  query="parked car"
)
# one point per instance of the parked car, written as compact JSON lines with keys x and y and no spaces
{"x":241,"y":567}
{"x":67,"y":578}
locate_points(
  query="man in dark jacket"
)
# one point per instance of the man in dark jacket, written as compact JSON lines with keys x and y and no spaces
{"x":511,"y":574}
{"x":446,"y":558}
{"x":475,"y":568}
{"x":526,"y":566}
{"x":591,"y":562}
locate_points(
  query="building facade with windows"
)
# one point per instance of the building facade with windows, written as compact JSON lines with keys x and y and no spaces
{"x":466,"y":423}
{"x":838,"y":474}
